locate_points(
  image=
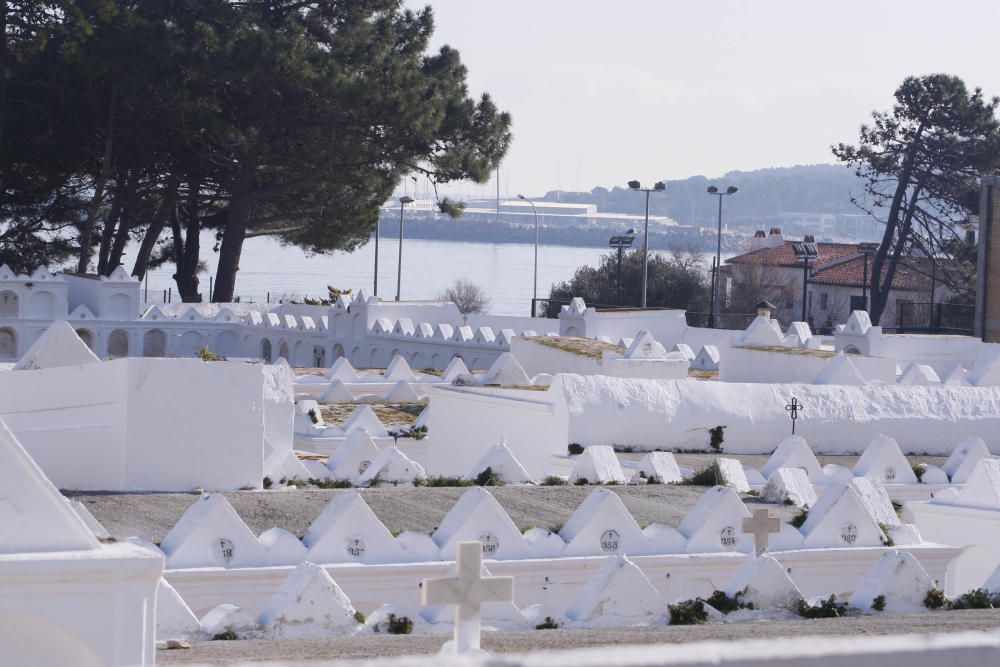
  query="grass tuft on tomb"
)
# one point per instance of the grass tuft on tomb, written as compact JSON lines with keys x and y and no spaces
{"x":919,"y":469}
{"x":226,"y":636}
{"x":584,"y":347}
{"x":488,"y":478}
{"x":574,"y":449}
{"x":828,"y":608}
{"x":331,"y":483}
{"x":206,"y":354}
{"x":798,"y":351}
{"x":554,"y":480}
{"x":688,"y":612}
{"x":548,"y":624}
{"x":887,"y":540}
{"x":715,"y":438}
{"x":878,"y":604}
{"x":399,"y":625}
{"x":267,"y":483}
{"x":707,"y":476}
{"x":726,"y":604}
{"x":437,"y":481}
{"x":935,"y":599}
{"x":799,"y":519}
{"x":582,"y":481}
{"x":359,"y":617}
{"x":979,"y":598}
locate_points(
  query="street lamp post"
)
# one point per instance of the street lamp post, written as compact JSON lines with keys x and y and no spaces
{"x":403,"y":201}
{"x":805,"y":251}
{"x":866,"y":249}
{"x":657,"y":187}
{"x":620,"y":243}
{"x":716,"y":304}
{"x":534,"y":292}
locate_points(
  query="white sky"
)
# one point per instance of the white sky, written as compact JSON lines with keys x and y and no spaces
{"x":603,"y":91}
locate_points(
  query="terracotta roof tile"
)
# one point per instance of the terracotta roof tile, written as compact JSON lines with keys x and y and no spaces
{"x":850,"y":273}
{"x":784,"y":256}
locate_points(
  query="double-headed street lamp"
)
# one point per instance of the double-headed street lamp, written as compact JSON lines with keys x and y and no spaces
{"x":620,"y":243}
{"x":657,"y":187}
{"x":403,"y":201}
{"x":715,"y":307}
{"x":805,"y":252}
{"x":867,"y":249}
{"x":534,"y":293}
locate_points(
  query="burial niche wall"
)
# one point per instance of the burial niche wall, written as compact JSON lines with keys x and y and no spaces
{"x":118,"y":343}
{"x":10,"y":305}
{"x":8,"y":343}
{"x":154,"y":343}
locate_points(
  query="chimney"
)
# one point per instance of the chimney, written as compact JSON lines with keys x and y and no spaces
{"x":809,"y":238}
{"x":758,"y":241}
{"x":775,"y":238}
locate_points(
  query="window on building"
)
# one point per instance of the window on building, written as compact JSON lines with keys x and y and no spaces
{"x":824,"y":300}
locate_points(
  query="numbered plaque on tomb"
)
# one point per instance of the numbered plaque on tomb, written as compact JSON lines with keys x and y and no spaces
{"x":610,"y":541}
{"x":490,"y":544}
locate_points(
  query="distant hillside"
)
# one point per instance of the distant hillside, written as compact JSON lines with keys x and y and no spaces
{"x":764,"y":195}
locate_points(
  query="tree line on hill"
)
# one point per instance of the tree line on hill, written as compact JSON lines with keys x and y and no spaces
{"x":151,"y":120}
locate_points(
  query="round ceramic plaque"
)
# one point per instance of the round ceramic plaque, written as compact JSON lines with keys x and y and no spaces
{"x":224,"y":550}
{"x":849,"y":533}
{"x":356,"y":547}
{"x":610,"y":541}
{"x":490,"y":544}
{"x":727,"y":538}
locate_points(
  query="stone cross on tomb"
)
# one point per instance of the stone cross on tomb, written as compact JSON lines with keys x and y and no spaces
{"x":761,"y":525}
{"x":468,"y":591}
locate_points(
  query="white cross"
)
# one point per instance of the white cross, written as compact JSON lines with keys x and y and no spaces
{"x":761,"y":524}
{"x":468,"y":591}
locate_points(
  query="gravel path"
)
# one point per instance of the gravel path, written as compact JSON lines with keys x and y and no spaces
{"x":152,"y":515}
{"x":368,"y":646}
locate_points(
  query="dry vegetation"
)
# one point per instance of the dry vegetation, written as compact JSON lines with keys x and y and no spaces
{"x":801,"y":351}
{"x":585,"y":347}
{"x":402,"y":414}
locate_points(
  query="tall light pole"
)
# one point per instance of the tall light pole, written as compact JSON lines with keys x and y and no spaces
{"x":867,"y":249}
{"x":403,"y":201}
{"x":620,"y":242}
{"x":712,"y":190}
{"x":657,"y":187}
{"x":805,"y":251}
{"x":534,"y":293}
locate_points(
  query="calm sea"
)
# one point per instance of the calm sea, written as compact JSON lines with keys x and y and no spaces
{"x":504,"y":271}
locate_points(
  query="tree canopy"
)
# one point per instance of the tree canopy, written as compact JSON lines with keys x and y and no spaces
{"x":677,"y":280}
{"x":152,"y":120}
{"x":921,"y":163}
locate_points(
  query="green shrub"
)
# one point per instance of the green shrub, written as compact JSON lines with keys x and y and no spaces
{"x":575,"y":448}
{"x":878,"y":604}
{"x":488,"y":478}
{"x":399,"y":625}
{"x":828,"y":608}
{"x":437,"y":481}
{"x":228,"y":636}
{"x":935,"y":599}
{"x":688,"y":612}
{"x":554,"y":480}
{"x":359,"y":617}
{"x":800,"y":518}
{"x":331,"y":483}
{"x":719,"y":600}
{"x":548,"y":624}
{"x":887,"y":539}
{"x":582,"y":481}
{"x":715,"y":438}
{"x":313,"y":417}
{"x":977,"y":599}
{"x":919,"y":469}
{"x":206,"y":354}
{"x":268,"y":483}
{"x":707,"y":476}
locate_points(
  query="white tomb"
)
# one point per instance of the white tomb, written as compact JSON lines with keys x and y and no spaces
{"x":919,"y":375}
{"x":685,"y":350}
{"x":644,"y":346}
{"x":59,"y":345}
{"x":884,"y":459}
{"x":956,"y":377}
{"x":663,"y":539}
{"x":597,"y":464}
{"x":66,"y":598}
{"x":764,"y":583}
{"x":900,"y":579}
{"x":398,"y":370}
{"x":964,"y":457}
{"x":282,"y":547}
{"x":284,"y":464}
{"x":422,"y":418}
{"x":789,"y":485}
{"x":211,"y":533}
{"x":392,"y":466}
{"x":544,"y":543}
{"x":363,"y":417}
{"x":230,"y":618}
{"x":763,"y":331}
{"x":353,"y":458}
{"x":506,"y":371}
{"x":467,"y":592}
{"x":876,"y":500}
{"x":455,"y":369}
{"x":659,"y":468}
{"x":92,"y":523}
{"x":617,"y":594}
{"x":707,"y":359}
{"x":794,"y":452}
{"x":478,"y":516}
{"x":174,"y":619}
{"x":729,"y":472}
{"x":798,"y":334}
{"x":840,"y":370}
{"x":337,"y":392}
{"x":715,"y":523}
{"x":840,"y":519}
{"x":502,"y":462}
{"x":347,"y":531}
{"x":403,"y":392}
{"x":418,"y":547}
{"x":342,"y":370}
{"x":308,"y":604}
{"x":602,"y":525}
{"x":982,"y":489}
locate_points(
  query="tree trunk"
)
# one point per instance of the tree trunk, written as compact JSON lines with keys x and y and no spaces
{"x":155,"y":229}
{"x":233,"y":235}
{"x":125,"y":223}
{"x":87,"y":228}
{"x":107,"y":234}
{"x":187,"y":248}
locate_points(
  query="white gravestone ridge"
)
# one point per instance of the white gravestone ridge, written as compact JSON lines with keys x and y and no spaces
{"x":468,"y":592}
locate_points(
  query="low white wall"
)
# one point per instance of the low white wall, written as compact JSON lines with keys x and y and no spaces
{"x":536,"y":358}
{"x":976,"y":529}
{"x":141,"y":424}
{"x":836,"y":419}
{"x":465,"y":422}
{"x":741,"y":364}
